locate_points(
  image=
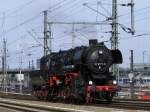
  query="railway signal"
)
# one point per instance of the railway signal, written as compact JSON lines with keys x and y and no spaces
{"x":131,"y":77}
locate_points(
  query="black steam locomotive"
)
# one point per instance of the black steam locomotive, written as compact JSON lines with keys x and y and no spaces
{"x":81,"y":74}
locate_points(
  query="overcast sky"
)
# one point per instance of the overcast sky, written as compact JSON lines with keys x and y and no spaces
{"x":19,"y":18}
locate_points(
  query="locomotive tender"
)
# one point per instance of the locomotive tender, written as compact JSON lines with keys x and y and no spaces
{"x":81,"y":74}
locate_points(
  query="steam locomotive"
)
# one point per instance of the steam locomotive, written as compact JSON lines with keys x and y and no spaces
{"x":81,"y":74}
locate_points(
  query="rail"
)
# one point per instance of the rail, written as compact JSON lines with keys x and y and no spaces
{"x":117,"y":103}
{"x":28,"y":107}
{"x":131,"y":105}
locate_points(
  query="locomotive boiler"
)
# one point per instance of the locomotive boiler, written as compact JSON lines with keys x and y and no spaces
{"x":81,"y":74}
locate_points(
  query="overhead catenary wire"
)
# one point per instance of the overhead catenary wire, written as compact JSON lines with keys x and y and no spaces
{"x":81,"y":35}
{"x":24,"y":49}
{"x":27,"y":21}
{"x":85,"y":4}
{"x":128,"y":13}
{"x":35,"y":38}
{"x":57,"y":4}
{"x":22,"y":23}
{"x":11,"y":11}
{"x":69,"y":8}
{"x":138,"y":20}
{"x":75,"y":10}
{"x":137,"y":10}
{"x":100,"y":3}
{"x":133,"y":37}
{"x":17,"y":26}
{"x":23,"y":36}
{"x":16,"y":40}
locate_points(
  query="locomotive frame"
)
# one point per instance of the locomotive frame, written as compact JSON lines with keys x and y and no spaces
{"x":77,"y":75}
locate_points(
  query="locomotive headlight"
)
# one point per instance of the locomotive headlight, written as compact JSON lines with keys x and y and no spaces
{"x":114,"y":82}
{"x":90,"y":82}
{"x":100,"y":52}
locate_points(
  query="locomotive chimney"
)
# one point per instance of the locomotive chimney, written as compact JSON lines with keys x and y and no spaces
{"x":93,"y":42}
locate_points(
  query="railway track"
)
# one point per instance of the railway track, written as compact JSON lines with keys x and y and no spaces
{"x":17,"y":96}
{"x":20,"y":108}
{"x":119,"y":104}
{"x":131,"y":105}
{"x":28,"y":107}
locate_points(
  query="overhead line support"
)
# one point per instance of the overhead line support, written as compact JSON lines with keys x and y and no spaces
{"x":114,"y":38}
{"x":46,"y":37}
